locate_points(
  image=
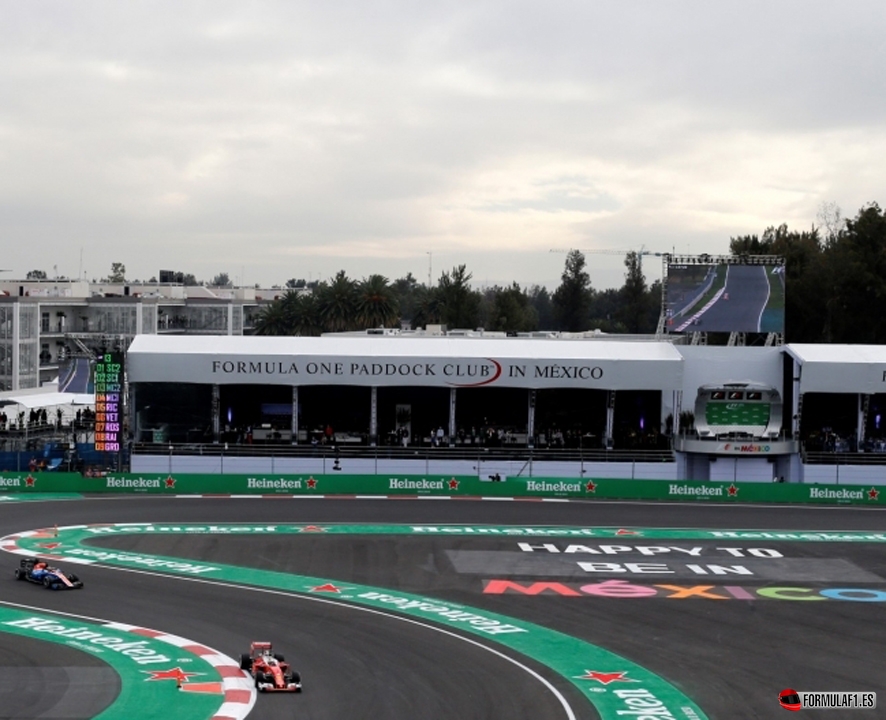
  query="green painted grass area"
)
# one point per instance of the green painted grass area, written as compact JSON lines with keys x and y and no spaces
{"x":137,"y":659}
{"x":569,"y":657}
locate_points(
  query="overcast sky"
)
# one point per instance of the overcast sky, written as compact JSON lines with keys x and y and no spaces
{"x":273,"y":140}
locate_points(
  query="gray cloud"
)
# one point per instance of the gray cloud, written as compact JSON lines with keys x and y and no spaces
{"x":273,"y":139}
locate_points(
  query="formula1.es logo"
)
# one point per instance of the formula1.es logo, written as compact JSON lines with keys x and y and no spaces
{"x":790,"y":700}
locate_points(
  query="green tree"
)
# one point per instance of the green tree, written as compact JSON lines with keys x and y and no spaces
{"x":856,"y":263}
{"x":273,"y":320}
{"x":337,"y":303}
{"x":221,"y":280}
{"x":302,"y":313}
{"x":376,"y":303}
{"x":36,"y":275}
{"x":511,"y":310}
{"x":653,"y":310}
{"x":572,"y":299}
{"x":605,"y":308}
{"x":806,"y":277}
{"x":427,"y":308}
{"x":459,"y":305}
{"x":184,"y":278}
{"x":118,"y":273}
{"x":405,"y":290}
{"x":540,"y":299}
{"x":634,"y":299}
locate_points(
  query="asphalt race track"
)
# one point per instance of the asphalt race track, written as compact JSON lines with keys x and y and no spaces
{"x":731,"y":657}
{"x":748,"y":290}
{"x":36,"y":683}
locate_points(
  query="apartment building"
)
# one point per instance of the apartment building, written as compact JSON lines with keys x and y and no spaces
{"x":45,"y":322}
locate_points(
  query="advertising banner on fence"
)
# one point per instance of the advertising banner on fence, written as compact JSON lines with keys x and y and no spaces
{"x":441,"y":486}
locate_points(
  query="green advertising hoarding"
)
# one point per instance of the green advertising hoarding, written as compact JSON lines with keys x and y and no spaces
{"x":440,"y":486}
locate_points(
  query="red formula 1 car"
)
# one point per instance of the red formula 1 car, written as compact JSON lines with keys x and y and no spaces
{"x":271,"y":672}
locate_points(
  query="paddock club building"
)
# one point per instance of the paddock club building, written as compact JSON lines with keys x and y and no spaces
{"x":529,"y":406}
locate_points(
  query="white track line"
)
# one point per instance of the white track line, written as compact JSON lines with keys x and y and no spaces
{"x":570,"y":714}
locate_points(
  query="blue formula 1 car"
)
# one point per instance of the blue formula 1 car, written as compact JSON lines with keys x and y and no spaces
{"x":52,"y":578}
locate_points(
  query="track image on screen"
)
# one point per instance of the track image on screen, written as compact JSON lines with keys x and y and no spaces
{"x":725,"y":297}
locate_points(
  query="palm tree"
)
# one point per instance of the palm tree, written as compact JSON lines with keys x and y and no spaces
{"x":428,"y":307}
{"x":303,"y":313}
{"x":273,"y":320}
{"x":376,"y":303}
{"x":336,"y":303}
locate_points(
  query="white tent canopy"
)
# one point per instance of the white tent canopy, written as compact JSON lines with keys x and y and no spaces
{"x":840,"y":368}
{"x":401,"y":361}
{"x":35,"y":400}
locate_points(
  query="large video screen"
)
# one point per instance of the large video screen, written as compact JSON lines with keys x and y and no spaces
{"x":725,"y":297}
{"x":76,"y":375}
{"x":108,"y":402}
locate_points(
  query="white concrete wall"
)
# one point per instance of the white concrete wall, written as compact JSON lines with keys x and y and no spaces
{"x":741,"y":469}
{"x":845,"y":474}
{"x":709,"y":365}
{"x":724,"y":470}
{"x":369,"y":466}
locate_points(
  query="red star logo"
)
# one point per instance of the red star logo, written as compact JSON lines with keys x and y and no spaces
{"x":170,"y":482}
{"x":312,"y":528}
{"x":327,"y":588}
{"x":453,"y":484}
{"x":175,"y":674}
{"x":732,"y":490}
{"x":626,"y":532}
{"x":605,"y":677}
{"x":312,"y":483}
{"x":591,"y":486}
{"x":30,"y":480}
{"x":49,"y":546}
{"x":873,"y":494}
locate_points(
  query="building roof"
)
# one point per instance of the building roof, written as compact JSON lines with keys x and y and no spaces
{"x":396,"y":360}
{"x":840,"y":368}
{"x":43,"y":398}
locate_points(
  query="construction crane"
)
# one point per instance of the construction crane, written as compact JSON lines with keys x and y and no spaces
{"x":641,"y":253}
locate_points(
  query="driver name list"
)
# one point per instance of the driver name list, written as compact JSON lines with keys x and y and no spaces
{"x":108,"y":389}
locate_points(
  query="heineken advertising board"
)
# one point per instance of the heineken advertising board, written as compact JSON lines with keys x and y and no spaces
{"x":440,"y":485}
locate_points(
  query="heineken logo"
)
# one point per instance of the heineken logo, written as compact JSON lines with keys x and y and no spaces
{"x":561,"y":486}
{"x":403,"y":484}
{"x":277,"y":484}
{"x":139,"y":651}
{"x":843,"y":494}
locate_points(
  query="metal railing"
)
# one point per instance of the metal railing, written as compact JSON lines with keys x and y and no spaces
{"x":516,"y":454}
{"x":843,"y":458}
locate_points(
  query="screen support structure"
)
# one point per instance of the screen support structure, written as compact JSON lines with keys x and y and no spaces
{"x":660,"y":331}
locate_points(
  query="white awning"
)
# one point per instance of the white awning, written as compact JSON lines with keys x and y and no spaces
{"x":42,"y":400}
{"x":530,"y":363}
{"x":840,"y":368}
